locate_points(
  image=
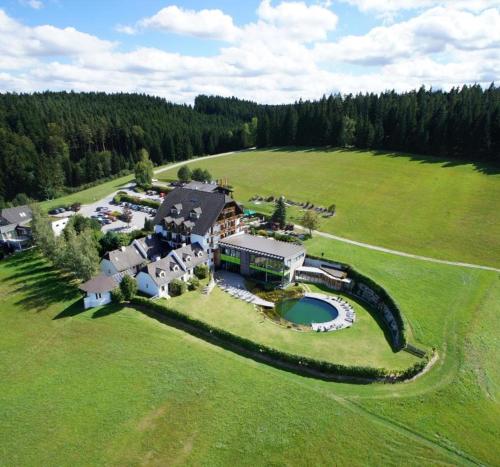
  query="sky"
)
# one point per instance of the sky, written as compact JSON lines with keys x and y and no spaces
{"x":269,"y":51}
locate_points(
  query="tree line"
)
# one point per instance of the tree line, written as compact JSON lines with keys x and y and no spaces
{"x":463,"y":123}
{"x":54,"y":141}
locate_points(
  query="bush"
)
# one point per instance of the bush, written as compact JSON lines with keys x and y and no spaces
{"x":201,"y":271}
{"x":128,"y":287}
{"x":177,"y":287}
{"x":117,"y":295}
{"x":194,"y":283}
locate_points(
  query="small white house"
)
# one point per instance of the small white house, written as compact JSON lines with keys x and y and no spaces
{"x":98,"y":290}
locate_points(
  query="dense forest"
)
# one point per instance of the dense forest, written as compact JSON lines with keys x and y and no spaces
{"x":54,"y":141}
{"x":51,"y":141}
{"x":460,"y":124}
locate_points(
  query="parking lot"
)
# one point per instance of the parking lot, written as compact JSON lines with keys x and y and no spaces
{"x":99,"y":210}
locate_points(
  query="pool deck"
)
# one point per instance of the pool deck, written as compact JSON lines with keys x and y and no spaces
{"x":346,"y":314}
{"x":234,"y":285}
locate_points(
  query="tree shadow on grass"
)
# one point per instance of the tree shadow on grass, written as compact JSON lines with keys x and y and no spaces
{"x":74,"y":309}
{"x":107,"y":310}
{"x":478,"y":166}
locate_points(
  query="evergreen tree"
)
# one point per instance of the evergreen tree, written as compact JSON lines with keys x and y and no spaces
{"x":128,"y":287}
{"x":144,"y":169}
{"x":279,"y":214}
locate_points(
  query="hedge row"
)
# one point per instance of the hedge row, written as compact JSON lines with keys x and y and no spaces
{"x":303,"y":364}
{"x":121,"y":197}
{"x":357,"y":277}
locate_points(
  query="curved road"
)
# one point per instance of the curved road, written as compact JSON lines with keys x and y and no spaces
{"x":342,"y":239}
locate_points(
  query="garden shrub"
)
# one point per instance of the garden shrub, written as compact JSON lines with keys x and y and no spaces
{"x":201,"y":271}
{"x":194,"y":283}
{"x":177,"y":287}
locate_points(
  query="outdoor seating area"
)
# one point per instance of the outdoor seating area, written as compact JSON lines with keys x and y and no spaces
{"x":234,"y":285}
{"x":345,"y":318}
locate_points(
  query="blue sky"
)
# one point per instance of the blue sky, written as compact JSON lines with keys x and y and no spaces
{"x":264,"y":50}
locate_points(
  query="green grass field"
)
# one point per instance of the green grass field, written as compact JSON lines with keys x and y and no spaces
{"x":420,"y":205}
{"x":111,"y":386}
{"x":363,"y":344}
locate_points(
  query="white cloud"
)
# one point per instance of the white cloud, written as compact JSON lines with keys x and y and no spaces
{"x":209,"y":24}
{"x":299,"y":20}
{"x":282,"y":56}
{"x":21,"y":42}
{"x":440,"y":30}
{"x":393,"y":6}
{"x":35,"y":4}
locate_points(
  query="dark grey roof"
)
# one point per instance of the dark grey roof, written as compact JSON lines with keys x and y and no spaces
{"x":174,"y":265}
{"x":211,"y":205}
{"x":263,"y":245}
{"x":164,"y":270}
{"x":191,"y":255}
{"x":16,"y":215}
{"x":99,"y":284}
{"x":125,"y":258}
{"x":152,"y":245}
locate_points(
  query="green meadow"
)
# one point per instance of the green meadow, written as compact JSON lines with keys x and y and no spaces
{"x":111,"y":386}
{"x":416,"y":204}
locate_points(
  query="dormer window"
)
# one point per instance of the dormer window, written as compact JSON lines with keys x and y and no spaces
{"x":195,"y":213}
{"x":199,"y":254}
{"x":162,"y":273}
{"x":176,"y":208}
{"x":188,"y":258}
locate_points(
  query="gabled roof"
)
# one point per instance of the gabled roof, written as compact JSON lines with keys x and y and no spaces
{"x":125,"y":258}
{"x":190,"y":255}
{"x":151,"y":245}
{"x":17,"y":215}
{"x":99,"y":284}
{"x":139,"y":251}
{"x":164,"y":270}
{"x":210,"y":204}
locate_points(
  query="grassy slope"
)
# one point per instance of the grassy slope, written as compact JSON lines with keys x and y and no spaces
{"x":363,"y":344}
{"x":90,"y":195}
{"x":423,"y":206}
{"x":110,"y":386}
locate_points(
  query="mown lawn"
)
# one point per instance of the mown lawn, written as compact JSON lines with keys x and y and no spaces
{"x":420,"y":205}
{"x":363,"y":344}
{"x":110,"y":386}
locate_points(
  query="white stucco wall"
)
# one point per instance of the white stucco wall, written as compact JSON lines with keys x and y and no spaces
{"x":92,"y":299}
{"x":146,"y":285}
{"x":59,"y":225}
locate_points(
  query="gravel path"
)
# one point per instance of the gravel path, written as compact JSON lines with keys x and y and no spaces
{"x":401,"y":253}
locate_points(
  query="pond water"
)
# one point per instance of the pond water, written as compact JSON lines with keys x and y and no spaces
{"x":306,"y":310}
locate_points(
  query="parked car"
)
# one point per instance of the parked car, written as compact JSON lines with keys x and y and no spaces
{"x":99,"y":208}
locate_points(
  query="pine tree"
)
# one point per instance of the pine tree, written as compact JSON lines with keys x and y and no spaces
{"x":279,"y":214}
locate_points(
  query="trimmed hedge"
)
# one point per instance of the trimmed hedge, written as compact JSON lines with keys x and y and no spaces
{"x":121,"y":197}
{"x":380,"y":291}
{"x":278,"y":357}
